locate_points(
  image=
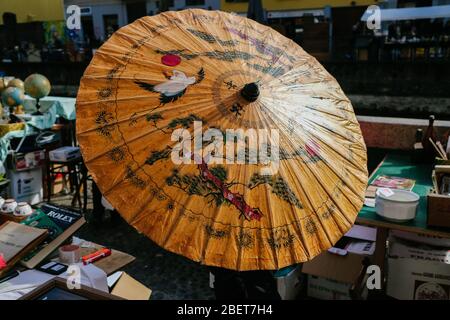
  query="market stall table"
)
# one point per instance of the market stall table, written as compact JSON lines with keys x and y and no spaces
{"x":59,"y":107}
{"x":53,"y":108}
{"x":63,"y":106}
{"x":30,"y":126}
{"x":32,"y":278}
{"x":401,"y":165}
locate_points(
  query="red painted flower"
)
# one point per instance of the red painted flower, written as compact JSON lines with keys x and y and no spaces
{"x":170,"y":60}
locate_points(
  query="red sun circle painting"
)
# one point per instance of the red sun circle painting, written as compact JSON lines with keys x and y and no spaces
{"x":170,"y":60}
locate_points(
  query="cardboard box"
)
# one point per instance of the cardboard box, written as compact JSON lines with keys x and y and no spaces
{"x":65,"y":154}
{"x":438,"y":210}
{"x":334,"y":277}
{"x":26,"y":161}
{"x":410,"y":250}
{"x":289,"y":282}
{"x":128,"y":288}
{"x":26,"y":185}
{"x":326,"y":289}
{"x":420,"y":238}
{"x":340,"y":273}
{"x":418,"y":272}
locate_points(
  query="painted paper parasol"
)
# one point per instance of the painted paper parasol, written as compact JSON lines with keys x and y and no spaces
{"x":163,"y":81}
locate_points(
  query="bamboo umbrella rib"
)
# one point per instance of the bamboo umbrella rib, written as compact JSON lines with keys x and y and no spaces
{"x":299,"y":180}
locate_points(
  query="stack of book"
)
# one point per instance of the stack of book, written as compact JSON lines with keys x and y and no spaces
{"x":61,"y":225}
{"x":16,"y":241}
{"x":383,"y":181}
{"x":37,"y":237}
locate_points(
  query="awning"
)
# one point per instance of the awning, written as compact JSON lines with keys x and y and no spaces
{"x":410,"y":13}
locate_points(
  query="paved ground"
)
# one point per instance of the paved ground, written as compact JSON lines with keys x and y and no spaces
{"x":168,"y":275}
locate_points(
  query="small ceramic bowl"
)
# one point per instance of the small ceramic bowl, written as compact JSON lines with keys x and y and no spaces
{"x":23,"y":209}
{"x":397,"y":206}
{"x":9,"y":206}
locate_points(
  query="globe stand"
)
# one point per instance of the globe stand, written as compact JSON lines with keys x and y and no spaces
{"x":12,"y":117}
{"x":38,"y":107}
{"x":19,"y":110}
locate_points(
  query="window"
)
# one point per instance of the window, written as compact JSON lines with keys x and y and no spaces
{"x":195,"y":2}
{"x":169,"y":3}
{"x":110,"y":24}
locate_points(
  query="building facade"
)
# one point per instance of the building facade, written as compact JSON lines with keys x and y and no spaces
{"x":24,"y":21}
{"x":101,"y":17}
{"x":318,"y":26}
{"x":33,"y":11}
{"x":293,"y":8}
{"x":153,"y":5}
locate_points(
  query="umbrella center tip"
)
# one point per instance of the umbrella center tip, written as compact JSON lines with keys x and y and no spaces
{"x":250,"y":92}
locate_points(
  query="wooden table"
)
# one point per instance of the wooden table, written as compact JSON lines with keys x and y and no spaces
{"x":401,"y":165}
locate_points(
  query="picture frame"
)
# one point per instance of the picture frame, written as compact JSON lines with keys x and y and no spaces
{"x":56,"y":289}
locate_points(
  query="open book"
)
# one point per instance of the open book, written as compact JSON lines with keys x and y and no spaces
{"x":17,"y":240}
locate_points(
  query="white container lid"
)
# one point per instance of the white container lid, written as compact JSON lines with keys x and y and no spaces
{"x":397,"y":195}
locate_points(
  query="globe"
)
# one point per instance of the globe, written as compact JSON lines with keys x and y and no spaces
{"x":13,"y":96}
{"x":37,"y":86}
{"x":16,"y":83}
{"x":3,"y":84}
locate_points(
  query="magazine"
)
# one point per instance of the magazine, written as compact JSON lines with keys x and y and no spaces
{"x":383,"y":181}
